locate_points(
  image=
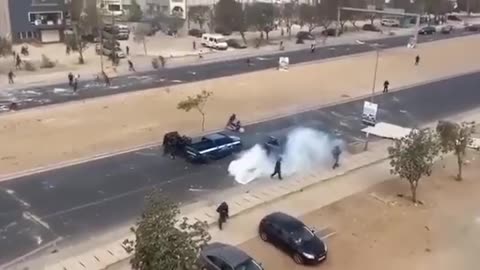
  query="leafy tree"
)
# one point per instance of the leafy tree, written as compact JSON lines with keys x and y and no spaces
{"x":230,"y":15}
{"x":198,"y":103}
{"x":412,"y":157}
{"x":163,"y":241}
{"x":199,"y":15}
{"x":140,"y":33}
{"x":468,"y":5}
{"x":135,"y":12}
{"x":456,"y":138}
{"x":5,"y":46}
{"x":261,"y":16}
{"x":75,"y":41}
{"x":288,"y":14}
{"x":436,"y":7}
{"x":308,"y":16}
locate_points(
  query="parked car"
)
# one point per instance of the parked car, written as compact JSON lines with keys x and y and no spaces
{"x":305,"y":35}
{"x":236,"y":44}
{"x":331,"y":32}
{"x":427,"y":30}
{"x":293,"y":237}
{"x":172,"y":32}
{"x":472,"y":27}
{"x":390,"y":22}
{"x":109,"y":50}
{"x":370,"y":27}
{"x":447,"y":29}
{"x":219,"y":256}
{"x":453,"y":18}
{"x":196,"y":32}
{"x":214,"y":41}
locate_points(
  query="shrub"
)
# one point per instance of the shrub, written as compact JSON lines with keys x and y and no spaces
{"x":46,"y":62}
{"x":5,"y":46}
{"x":29,"y":66}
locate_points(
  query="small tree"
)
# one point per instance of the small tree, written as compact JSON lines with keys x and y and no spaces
{"x":163,"y":241}
{"x":308,"y":16}
{"x":261,"y":16}
{"x":288,"y":13}
{"x":135,"y":12}
{"x":456,"y":138}
{"x":198,"y":103}
{"x":199,"y":15}
{"x":140,"y":33}
{"x":75,"y":41}
{"x":412,"y":157}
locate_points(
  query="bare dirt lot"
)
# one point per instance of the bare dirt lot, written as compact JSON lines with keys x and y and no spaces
{"x":43,"y":136}
{"x":375,"y":229}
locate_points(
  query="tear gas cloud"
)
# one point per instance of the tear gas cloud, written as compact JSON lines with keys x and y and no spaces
{"x":305,"y":149}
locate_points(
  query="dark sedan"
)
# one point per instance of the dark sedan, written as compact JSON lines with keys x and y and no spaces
{"x":427,"y":30}
{"x":219,"y":256}
{"x":292,"y":236}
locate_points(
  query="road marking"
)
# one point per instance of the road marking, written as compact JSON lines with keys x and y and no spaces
{"x":18,"y":199}
{"x":29,"y":216}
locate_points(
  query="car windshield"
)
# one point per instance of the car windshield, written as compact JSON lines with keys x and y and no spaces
{"x":249,"y":265}
{"x":302,"y":235}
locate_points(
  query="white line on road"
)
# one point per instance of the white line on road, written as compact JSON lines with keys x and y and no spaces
{"x":29,"y":216}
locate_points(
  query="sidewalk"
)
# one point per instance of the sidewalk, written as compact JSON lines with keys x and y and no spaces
{"x":177,"y":51}
{"x":293,"y":196}
{"x":121,"y":122}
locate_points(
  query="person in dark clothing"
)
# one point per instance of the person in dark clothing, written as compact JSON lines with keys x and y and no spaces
{"x":249,"y":62}
{"x":75,"y":83}
{"x":417,"y":60}
{"x":223,"y":215}
{"x":13,"y":106}
{"x":106,"y":78}
{"x":336,"y":156}
{"x":385,"y":86}
{"x":312,"y":46}
{"x":18,"y":62}
{"x":162,"y":61}
{"x":67,"y":50}
{"x":130,"y":66}
{"x":70,"y":79}
{"x":194,"y":45}
{"x":127,"y":50}
{"x":10,"y":77}
{"x":278,"y":169}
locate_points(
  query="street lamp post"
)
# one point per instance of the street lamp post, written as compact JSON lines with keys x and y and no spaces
{"x":377,"y":54}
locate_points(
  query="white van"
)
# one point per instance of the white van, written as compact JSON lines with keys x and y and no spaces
{"x":214,"y":41}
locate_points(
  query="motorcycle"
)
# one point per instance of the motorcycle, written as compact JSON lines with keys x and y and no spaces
{"x":235,"y":127}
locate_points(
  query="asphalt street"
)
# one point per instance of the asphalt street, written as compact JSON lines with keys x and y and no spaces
{"x":53,"y":94}
{"x":76,"y":202}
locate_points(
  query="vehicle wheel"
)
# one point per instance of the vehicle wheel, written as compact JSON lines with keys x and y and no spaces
{"x":264,"y":236}
{"x":297,"y":258}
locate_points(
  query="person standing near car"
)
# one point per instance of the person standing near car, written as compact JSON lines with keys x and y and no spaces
{"x":313,"y":45}
{"x":194,"y":45}
{"x":278,"y":169}
{"x":223,"y":214}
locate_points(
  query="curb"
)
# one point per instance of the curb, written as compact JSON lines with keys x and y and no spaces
{"x":10,"y":176}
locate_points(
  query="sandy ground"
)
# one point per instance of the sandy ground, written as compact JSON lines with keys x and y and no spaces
{"x":375,"y":229}
{"x":47,"y":135}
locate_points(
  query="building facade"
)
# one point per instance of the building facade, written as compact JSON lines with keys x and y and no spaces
{"x":41,"y":20}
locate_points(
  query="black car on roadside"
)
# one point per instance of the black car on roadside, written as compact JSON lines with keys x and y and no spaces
{"x":219,"y":256}
{"x":472,"y":27}
{"x":447,"y":29}
{"x":427,"y":30}
{"x":331,"y":32}
{"x":236,"y":44}
{"x":293,"y":237}
{"x":304,"y":35}
{"x":370,"y":27}
{"x":196,"y":32}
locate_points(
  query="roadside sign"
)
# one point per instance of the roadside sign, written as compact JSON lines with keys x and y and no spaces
{"x":369,"y":114}
{"x":283,"y":63}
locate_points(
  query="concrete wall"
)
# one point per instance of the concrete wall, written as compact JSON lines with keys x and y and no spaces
{"x":5,"y":26}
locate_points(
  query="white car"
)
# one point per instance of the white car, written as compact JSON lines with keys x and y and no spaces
{"x":214,"y":41}
{"x":390,"y":22}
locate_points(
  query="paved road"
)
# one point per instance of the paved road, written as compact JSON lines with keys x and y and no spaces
{"x":52,"y":94}
{"x":76,"y":201}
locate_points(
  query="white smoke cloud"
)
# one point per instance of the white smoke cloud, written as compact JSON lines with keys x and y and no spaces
{"x":305,"y":149}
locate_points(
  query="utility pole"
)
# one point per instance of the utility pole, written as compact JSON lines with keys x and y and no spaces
{"x":377,"y":52}
{"x":337,"y":29}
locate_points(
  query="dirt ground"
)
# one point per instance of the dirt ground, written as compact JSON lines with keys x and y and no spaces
{"x":52,"y":134}
{"x":376,"y":229}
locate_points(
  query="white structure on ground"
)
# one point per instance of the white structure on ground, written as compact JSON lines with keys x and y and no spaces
{"x":388,"y":131}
